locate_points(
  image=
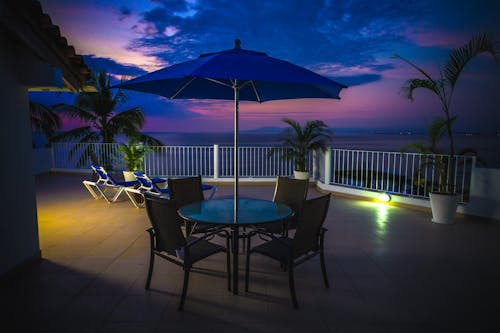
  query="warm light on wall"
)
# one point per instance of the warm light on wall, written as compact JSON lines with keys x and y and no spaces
{"x":385,"y":197}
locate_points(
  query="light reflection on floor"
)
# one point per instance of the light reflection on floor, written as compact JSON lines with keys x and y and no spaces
{"x":381,"y":217}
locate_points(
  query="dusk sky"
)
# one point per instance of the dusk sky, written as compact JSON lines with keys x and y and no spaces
{"x":350,"y":41}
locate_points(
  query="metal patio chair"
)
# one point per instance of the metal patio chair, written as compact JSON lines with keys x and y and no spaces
{"x":291,"y":192}
{"x":167,"y":241}
{"x":188,"y":190}
{"x":306,"y":243}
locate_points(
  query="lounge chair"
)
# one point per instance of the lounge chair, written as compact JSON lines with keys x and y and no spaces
{"x":146,"y":184}
{"x":106,"y":186}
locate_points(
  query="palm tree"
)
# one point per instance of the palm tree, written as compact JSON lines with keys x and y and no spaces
{"x":444,"y":85}
{"x":300,"y":141}
{"x":103,"y":123}
{"x":44,"y":120}
{"x":435,"y":133}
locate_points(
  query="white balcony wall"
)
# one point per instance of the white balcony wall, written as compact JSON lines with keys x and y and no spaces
{"x":484,"y":194}
{"x":18,"y":227}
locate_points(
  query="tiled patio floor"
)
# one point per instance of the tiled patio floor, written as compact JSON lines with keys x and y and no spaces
{"x":390,"y":270}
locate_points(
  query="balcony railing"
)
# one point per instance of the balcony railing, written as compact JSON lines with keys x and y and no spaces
{"x":408,"y":174}
{"x":393,"y":172}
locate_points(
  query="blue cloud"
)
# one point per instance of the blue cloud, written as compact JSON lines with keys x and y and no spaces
{"x":111,"y":66}
{"x":357,"y":80}
{"x":124,"y":12}
{"x":348,"y":32}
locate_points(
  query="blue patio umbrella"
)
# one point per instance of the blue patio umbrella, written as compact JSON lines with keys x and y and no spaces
{"x":235,"y":74}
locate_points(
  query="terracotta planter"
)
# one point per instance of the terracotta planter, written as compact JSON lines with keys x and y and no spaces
{"x":301,"y":174}
{"x":444,"y":207}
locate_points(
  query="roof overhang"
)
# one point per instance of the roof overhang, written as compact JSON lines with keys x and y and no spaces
{"x":25,"y":22}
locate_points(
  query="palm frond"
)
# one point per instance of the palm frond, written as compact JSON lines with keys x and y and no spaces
{"x":44,"y":119}
{"x":458,"y":58}
{"x":75,"y":135}
{"x":132,"y":116}
{"x":149,"y":140}
{"x":423,"y":72}
{"x":412,"y":84}
{"x":74,"y":111}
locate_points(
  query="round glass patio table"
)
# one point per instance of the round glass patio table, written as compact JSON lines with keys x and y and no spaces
{"x":250,"y":212}
{"x":221,"y":211}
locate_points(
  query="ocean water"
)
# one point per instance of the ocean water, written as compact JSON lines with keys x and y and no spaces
{"x":486,"y":146}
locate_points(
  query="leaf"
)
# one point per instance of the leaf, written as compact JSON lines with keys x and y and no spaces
{"x":460,"y":57}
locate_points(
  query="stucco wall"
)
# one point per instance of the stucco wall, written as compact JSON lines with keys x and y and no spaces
{"x":18,"y":225}
{"x":41,"y":160}
{"x":485,"y":194}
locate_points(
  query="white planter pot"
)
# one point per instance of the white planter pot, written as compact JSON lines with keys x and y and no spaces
{"x":301,"y":174}
{"x":444,"y":207}
{"x":128,"y":176}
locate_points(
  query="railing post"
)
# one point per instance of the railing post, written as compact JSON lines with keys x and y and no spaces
{"x":216,"y":162}
{"x":328,"y":166}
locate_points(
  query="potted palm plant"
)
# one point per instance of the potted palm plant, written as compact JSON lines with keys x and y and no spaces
{"x":438,"y":164}
{"x":299,"y":141}
{"x":444,"y":201}
{"x":133,"y":156}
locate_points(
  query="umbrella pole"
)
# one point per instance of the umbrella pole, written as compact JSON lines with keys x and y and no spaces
{"x":236,"y":150}
{"x":235,"y":231}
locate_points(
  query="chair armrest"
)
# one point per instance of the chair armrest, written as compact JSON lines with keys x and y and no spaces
{"x":260,"y":232}
{"x":207,"y":235}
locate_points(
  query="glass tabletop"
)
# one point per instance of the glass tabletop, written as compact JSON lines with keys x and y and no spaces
{"x":221,"y":211}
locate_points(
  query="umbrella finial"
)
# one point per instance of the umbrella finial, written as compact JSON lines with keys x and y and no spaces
{"x":237,"y":43}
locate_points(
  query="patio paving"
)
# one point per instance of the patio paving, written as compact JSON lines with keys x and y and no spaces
{"x":390,"y":270}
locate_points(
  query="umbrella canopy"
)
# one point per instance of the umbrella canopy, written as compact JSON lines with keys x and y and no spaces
{"x":235,"y":74}
{"x":257,"y":76}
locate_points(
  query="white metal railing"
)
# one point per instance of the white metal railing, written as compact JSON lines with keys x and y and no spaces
{"x":394,"y":172}
{"x":72,"y":156}
{"x":180,"y":161}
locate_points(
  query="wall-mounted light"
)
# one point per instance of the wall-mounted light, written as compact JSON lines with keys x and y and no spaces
{"x":385,"y":197}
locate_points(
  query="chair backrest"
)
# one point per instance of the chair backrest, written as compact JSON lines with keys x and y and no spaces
{"x":162,"y":214}
{"x":146,"y":182}
{"x":104,"y":176}
{"x":291,"y":192}
{"x":185,"y":190}
{"x":309,"y":224}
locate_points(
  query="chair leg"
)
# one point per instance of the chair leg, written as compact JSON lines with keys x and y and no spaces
{"x":119,"y":191}
{"x":292,"y":285}
{"x":150,"y":270}
{"x":323,"y":268}
{"x":247,"y":266}
{"x":184,"y":288}
{"x":89,"y":186}
{"x":283,"y":266}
